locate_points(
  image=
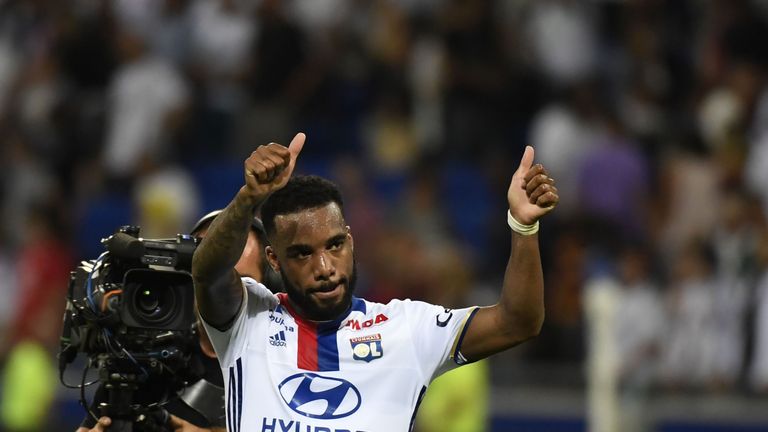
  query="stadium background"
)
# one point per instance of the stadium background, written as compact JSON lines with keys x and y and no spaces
{"x":651,"y":115}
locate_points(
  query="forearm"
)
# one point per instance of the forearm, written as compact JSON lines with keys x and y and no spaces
{"x":217,"y":287}
{"x":521,"y":305}
{"x":224,"y":243}
{"x":519,"y":313}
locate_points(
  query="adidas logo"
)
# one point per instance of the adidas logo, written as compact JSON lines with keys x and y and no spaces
{"x":278,"y":339}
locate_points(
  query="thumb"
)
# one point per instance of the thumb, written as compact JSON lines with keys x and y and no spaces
{"x":527,"y":162}
{"x":297,"y":143}
{"x":102,"y":424}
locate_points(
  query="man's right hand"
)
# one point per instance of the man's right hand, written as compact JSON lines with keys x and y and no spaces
{"x":176,"y":424}
{"x":218,"y":287}
{"x":270,"y":167}
{"x":101,"y":426}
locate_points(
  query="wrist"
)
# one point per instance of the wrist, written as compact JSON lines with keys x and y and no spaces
{"x":522,"y":228}
{"x":245,"y":198}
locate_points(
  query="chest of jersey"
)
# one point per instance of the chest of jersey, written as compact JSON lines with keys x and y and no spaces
{"x":359,"y":342}
{"x":358,"y":375}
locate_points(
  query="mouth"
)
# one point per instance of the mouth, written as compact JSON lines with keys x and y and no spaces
{"x":328,"y":291}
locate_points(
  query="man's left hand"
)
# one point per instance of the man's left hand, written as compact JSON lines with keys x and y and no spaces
{"x":532,"y":193}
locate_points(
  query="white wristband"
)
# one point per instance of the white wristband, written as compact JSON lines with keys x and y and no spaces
{"x":520,"y":228}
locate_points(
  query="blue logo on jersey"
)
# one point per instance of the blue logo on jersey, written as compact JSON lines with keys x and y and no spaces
{"x":316,"y":396}
{"x":278,"y":339}
{"x":280,"y":321}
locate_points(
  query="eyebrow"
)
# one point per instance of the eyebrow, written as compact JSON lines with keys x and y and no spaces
{"x":297,"y":248}
{"x":335,"y":239}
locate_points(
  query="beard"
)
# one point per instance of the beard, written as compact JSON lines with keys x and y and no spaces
{"x":309,"y":305}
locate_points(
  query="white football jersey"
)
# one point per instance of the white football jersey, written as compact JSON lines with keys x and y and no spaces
{"x":365,"y":372}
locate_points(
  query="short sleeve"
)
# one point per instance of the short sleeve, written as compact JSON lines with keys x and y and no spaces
{"x":229,"y":344}
{"x":437,"y":333}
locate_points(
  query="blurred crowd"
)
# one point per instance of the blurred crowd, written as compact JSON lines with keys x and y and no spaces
{"x":651,"y":115}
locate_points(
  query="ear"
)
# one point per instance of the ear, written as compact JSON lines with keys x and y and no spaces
{"x":272,"y":258}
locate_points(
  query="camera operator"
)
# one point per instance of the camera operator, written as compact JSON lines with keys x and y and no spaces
{"x":200,"y":407}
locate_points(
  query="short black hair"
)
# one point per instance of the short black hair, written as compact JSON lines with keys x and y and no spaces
{"x":302,"y":192}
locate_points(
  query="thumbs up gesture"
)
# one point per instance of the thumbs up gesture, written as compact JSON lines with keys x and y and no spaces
{"x":532,"y":192}
{"x":270,"y":166}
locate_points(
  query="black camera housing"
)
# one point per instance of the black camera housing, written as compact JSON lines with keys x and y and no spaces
{"x":131,"y":311}
{"x":161,"y":300}
{"x":142,"y":284}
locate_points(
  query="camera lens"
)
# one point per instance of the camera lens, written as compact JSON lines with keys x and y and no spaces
{"x":154,"y":305}
{"x":148,"y":302}
{"x":155,"y":299}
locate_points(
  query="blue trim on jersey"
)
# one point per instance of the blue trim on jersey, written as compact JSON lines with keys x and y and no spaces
{"x":327,"y":351}
{"x":358,"y":305}
{"x":235,"y":397}
{"x":327,"y":345}
{"x":231,"y":399}
{"x":239,"y":393}
{"x":416,"y":408}
{"x":456,"y":356}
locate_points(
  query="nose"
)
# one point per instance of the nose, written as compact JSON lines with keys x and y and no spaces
{"x":323,"y":267}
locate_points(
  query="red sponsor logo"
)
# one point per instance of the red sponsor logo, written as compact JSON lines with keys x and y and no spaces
{"x":357,"y":325}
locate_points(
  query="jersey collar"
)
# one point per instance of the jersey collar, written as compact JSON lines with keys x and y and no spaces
{"x":358,"y":305}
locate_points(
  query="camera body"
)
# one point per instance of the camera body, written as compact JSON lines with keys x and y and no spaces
{"x":131,"y":311}
{"x":140,"y":291}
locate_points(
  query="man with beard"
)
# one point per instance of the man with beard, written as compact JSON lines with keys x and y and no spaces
{"x":318,"y":359}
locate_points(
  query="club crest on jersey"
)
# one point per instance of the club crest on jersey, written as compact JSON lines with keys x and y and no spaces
{"x":367,"y":348}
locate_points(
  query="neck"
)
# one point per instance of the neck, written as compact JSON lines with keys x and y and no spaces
{"x":299,"y":312}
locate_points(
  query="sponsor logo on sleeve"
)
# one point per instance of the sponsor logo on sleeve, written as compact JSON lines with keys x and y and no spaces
{"x":367,"y":348}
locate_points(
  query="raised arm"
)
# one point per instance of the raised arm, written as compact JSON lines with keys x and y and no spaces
{"x":218,"y":290}
{"x":519,"y":314}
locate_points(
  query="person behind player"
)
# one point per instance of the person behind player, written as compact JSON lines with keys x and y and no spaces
{"x":317,"y":358}
{"x":201,"y":406}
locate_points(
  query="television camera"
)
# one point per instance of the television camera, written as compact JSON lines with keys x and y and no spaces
{"x":131,"y":312}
